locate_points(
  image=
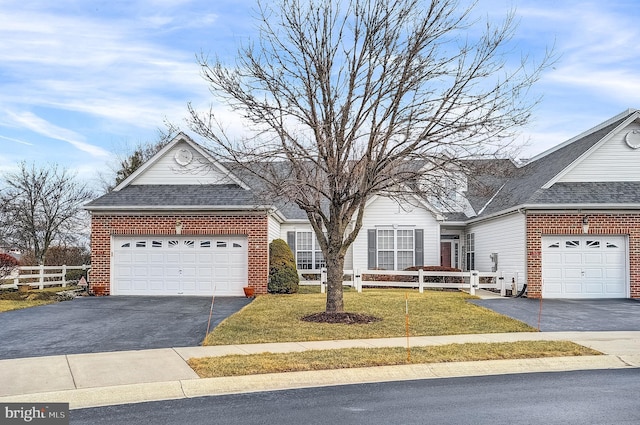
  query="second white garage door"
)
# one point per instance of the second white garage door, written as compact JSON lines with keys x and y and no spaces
{"x":584,"y":267}
{"x":179,"y":265}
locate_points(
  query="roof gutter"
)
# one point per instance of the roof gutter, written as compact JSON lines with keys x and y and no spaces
{"x":147,"y":208}
{"x":555,"y":207}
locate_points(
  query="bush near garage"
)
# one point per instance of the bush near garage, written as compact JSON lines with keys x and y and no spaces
{"x":283,"y":275}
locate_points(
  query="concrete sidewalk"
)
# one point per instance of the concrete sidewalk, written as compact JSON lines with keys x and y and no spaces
{"x":88,"y":380}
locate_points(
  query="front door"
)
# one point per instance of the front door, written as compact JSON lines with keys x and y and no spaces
{"x":445,"y":254}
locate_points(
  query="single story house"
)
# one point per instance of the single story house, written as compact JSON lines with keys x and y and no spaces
{"x":566,"y":222}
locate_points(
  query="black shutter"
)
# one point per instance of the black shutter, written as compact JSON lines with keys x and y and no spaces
{"x":419,"y":247}
{"x":372,"y":251}
{"x":291,"y":241}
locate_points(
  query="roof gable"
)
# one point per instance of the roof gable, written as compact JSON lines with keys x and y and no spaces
{"x":527,"y":186}
{"x":181,"y":162}
{"x":614,"y":158}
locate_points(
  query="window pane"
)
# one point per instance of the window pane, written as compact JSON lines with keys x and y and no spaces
{"x":304,"y":261}
{"x":385,"y":239}
{"x":319,"y":263}
{"x":385,"y":260}
{"x":304,"y":241}
{"x":405,"y":239}
{"x":405,"y":259}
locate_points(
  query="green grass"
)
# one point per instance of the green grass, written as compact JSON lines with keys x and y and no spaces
{"x":276,"y":318}
{"x":14,"y":300}
{"x":8,"y":305}
{"x":235,"y":365}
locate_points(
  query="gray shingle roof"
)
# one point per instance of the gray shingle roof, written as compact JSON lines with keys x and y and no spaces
{"x":190,"y":196}
{"x":589,"y":193}
{"x":525,"y":186}
{"x":495,"y":186}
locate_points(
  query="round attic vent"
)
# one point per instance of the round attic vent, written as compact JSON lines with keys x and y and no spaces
{"x":183,"y":157}
{"x":632,"y":139}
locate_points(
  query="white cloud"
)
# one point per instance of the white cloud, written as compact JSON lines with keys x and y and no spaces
{"x":11,"y":139}
{"x":45,"y":128}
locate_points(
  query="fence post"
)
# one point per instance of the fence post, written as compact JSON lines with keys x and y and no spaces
{"x":421,"y":281}
{"x":357,"y":280}
{"x":503,"y":289}
{"x":41,"y":276}
{"x":323,"y":280}
{"x":474,"y":282}
{"x":64,"y":275}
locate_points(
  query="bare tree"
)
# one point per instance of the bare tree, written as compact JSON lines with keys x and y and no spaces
{"x":356,"y":98}
{"x":41,"y":206}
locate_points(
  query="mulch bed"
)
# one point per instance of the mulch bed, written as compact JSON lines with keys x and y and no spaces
{"x":343,"y":318}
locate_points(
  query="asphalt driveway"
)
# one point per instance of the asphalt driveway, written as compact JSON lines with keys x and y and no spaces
{"x":570,"y":315}
{"x":101,"y":324}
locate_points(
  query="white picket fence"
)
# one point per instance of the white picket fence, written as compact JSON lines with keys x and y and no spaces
{"x":470,"y":280}
{"x":45,"y":275}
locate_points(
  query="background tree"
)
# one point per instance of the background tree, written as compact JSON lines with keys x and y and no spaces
{"x":351,"y":99}
{"x":41,"y":206}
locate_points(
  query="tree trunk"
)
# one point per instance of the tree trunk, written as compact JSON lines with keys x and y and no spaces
{"x":335,"y":273}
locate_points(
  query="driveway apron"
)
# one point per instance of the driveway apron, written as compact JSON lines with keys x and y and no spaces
{"x":102,"y":324}
{"x":570,"y":315}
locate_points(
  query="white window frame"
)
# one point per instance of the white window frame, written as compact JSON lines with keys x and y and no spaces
{"x":317,"y":259}
{"x":399,"y":246}
{"x":471,"y":251}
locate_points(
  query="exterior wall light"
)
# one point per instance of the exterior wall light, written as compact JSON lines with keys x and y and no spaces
{"x":178,"y":227}
{"x":585,"y":224}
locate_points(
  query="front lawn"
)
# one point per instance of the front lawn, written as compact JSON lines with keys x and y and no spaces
{"x":14,"y":300}
{"x":236,"y":365}
{"x":276,"y":318}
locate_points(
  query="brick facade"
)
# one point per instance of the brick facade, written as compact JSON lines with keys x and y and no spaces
{"x":252,"y":225}
{"x":542,"y":224}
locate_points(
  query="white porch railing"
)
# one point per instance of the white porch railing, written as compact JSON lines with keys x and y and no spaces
{"x":41,"y":276}
{"x":469,"y":280}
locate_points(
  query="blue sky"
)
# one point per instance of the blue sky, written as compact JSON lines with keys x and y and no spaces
{"x":81,"y":80}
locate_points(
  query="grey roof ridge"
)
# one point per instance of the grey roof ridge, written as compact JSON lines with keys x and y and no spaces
{"x":586,"y":133}
{"x":178,"y":207}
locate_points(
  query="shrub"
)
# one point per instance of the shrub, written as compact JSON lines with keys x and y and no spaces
{"x":7,"y":264}
{"x":75,"y":274}
{"x":283,"y":275}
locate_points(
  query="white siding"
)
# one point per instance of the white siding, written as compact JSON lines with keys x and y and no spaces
{"x":274,"y":229}
{"x":505,"y":236}
{"x":613,"y":161}
{"x":167,"y":171}
{"x":387,"y":212}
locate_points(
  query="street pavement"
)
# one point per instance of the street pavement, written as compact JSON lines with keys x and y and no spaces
{"x":93,"y":379}
{"x":101,"y":379}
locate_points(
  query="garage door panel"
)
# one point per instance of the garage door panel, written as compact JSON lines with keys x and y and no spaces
{"x":573,"y":288}
{"x":593,"y":273}
{"x":572,"y":273}
{"x":594,"y":288}
{"x":584,"y":267}
{"x":593,"y":258}
{"x":572,"y":258}
{"x":173,"y":265}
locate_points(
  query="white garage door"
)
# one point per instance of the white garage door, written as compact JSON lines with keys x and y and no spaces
{"x":584,"y":267}
{"x":179,"y":265}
